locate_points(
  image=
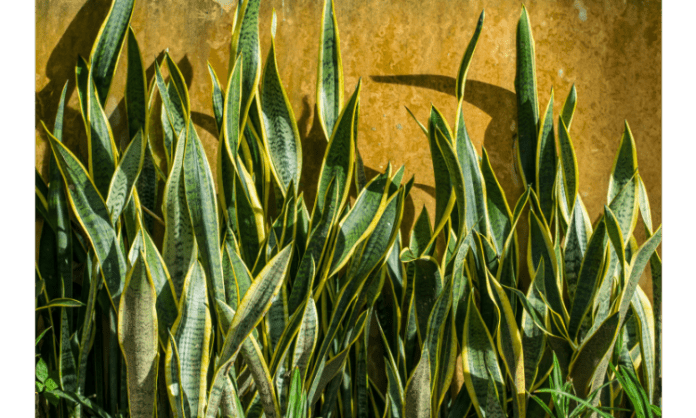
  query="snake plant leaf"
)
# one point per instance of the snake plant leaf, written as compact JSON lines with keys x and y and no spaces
{"x":61,"y":303}
{"x":498,"y":211}
{"x":283,"y":138}
{"x":249,"y":213}
{"x":245,"y":42}
{"x":569,"y":163}
{"x":91,"y":212}
{"x":588,"y":278}
{"x":479,"y":359}
{"x":81,"y":82}
{"x":591,"y":352}
{"x":167,"y":299}
{"x":192,"y":333}
{"x":168,"y":140}
{"x":466,"y":59}
{"x":638,"y":263}
{"x":231,"y":117}
{"x":626,"y":207}
{"x":178,"y":243}
{"x":238,"y":279}
{"x":568,"y":109}
{"x":41,"y":193}
{"x":298,"y":397}
{"x":252,"y":308}
{"x":107,"y":48}
{"x":329,"y":71}
{"x":533,"y":338}
{"x":89,"y":279}
{"x":316,"y":246}
{"x":395,"y":390}
{"x":173,"y":113}
{"x":419,"y":239}
{"x":527,"y":101}
{"x":541,"y":248}
{"x":58,"y":215}
{"x":625,"y":164}
{"x":256,"y":301}
{"x":444,"y":195}
{"x":640,"y":305}
{"x":417,"y":393}
{"x":177,"y":397}
{"x":509,"y":342}
{"x":423,"y":128}
{"x":456,"y":178}
{"x":253,"y":357}
{"x":427,"y":286}
{"x":307,"y":337}
{"x":137,"y":336}
{"x":546,"y":162}
{"x":179,"y":85}
{"x":339,"y":157}
{"x":614,"y":233}
{"x":432,"y":338}
{"x":370,"y":258}
{"x":575,"y":245}
{"x":644,"y":205}
{"x":218,"y":95}
{"x":326,"y":371}
{"x":136,"y":87}
{"x":100,"y":141}
{"x":474,"y":183}
{"x":125,"y":177}
{"x":360,"y":221}
{"x":202,"y":207}
{"x":277,"y":317}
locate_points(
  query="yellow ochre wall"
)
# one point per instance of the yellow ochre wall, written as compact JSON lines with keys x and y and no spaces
{"x":407,"y":53}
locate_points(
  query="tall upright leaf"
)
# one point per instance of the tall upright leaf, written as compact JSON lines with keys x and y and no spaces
{"x":106,"y":50}
{"x":466,"y":59}
{"x":245,"y":42}
{"x":283,"y":138}
{"x":329,"y":71}
{"x":527,"y":102}
{"x":137,"y":335}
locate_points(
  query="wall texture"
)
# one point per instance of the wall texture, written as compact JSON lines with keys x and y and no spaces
{"x":407,"y":53}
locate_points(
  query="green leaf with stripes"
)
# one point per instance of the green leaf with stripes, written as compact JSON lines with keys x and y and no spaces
{"x":329,"y":71}
{"x":253,"y":357}
{"x":91,"y":212}
{"x":245,"y":42}
{"x":444,"y":194}
{"x":137,"y":336}
{"x":136,"y":88}
{"x":231,"y":118}
{"x":218,"y":95}
{"x":591,"y":272}
{"x":202,"y":207}
{"x":100,"y":141}
{"x":339,"y":157}
{"x":625,"y":164}
{"x":568,"y":108}
{"x":642,"y":309}
{"x":474,"y":184}
{"x":282,"y":137}
{"x":591,"y":353}
{"x":107,"y":48}
{"x":466,"y":59}
{"x":546,"y":162}
{"x":479,"y":359}
{"x":179,"y":238}
{"x":575,"y":245}
{"x":61,"y":303}
{"x":417,"y":392}
{"x":191,"y":337}
{"x":541,"y":248}
{"x":527,"y":101}
{"x":509,"y":342}
{"x":498,"y":211}
{"x":125,"y":177}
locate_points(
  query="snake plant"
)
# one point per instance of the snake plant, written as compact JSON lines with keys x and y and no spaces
{"x":246,"y":300}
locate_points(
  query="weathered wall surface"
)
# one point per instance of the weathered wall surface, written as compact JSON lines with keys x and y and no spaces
{"x":407,"y":53}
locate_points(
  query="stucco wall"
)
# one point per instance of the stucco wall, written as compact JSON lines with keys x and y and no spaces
{"x":407,"y":53}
